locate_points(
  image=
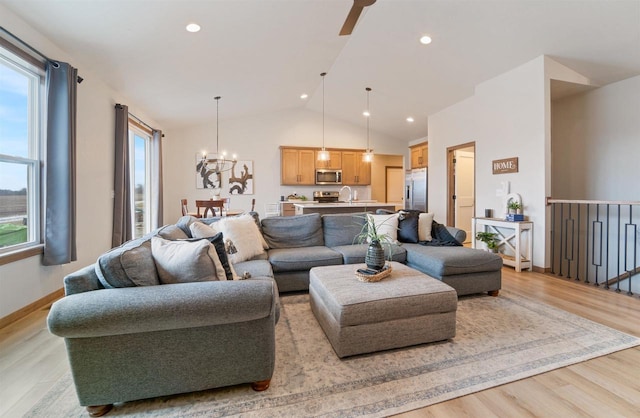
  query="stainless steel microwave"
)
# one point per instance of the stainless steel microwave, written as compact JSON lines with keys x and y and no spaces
{"x":324,"y":176}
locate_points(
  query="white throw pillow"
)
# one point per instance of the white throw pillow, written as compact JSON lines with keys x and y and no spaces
{"x":242,"y":238}
{"x":424,"y":226}
{"x":387,"y":224}
{"x":186,"y":261}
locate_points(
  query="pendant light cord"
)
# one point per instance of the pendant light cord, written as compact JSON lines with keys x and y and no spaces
{"x":368,"y":117}
{"x":322,"y":75}
{"x":217,"y":98}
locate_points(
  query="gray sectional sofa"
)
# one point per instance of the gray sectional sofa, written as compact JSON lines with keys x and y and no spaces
{"x":300,"y":242}
{"x":128,"y":339}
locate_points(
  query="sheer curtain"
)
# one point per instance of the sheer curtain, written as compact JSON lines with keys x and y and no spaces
{"x":156,"y":179}
{"x":122,"y":217}
{"x":60,"y":165}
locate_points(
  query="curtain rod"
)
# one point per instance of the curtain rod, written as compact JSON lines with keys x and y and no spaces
{"x":138,"y":119}
{"x":80,"y":79}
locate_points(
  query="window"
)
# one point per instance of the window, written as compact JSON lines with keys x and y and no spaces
{"x":140,"y":174}
{"x":21,"y":89}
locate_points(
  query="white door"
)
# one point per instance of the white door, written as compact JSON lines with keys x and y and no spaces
{"x":464,"y":190}
{"x":395,"y":186}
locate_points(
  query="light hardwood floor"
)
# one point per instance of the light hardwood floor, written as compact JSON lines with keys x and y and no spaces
{"x":31,"y":361}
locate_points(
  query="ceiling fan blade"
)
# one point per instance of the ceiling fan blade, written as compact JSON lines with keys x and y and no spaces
{"x":352,"y":19}
{"x":354,"y":14}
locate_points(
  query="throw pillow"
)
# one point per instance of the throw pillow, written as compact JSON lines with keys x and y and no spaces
{"x":387,"y":224}
{"x":408,"y":226}
{"x":241,"y":238}
{"x":424,"y":226}
{"x":218,"y":243}
{"x":185,"y":261}
{"x":202,"y":230}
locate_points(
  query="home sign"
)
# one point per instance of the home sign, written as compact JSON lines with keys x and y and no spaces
{"x":507,"y":165}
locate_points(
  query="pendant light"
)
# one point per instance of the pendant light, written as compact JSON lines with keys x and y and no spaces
{"x":218,"y":161}
{"x":323,"y":155}
{"x":367,"y":157}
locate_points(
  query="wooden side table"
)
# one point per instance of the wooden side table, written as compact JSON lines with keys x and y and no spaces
{"x":510,"y":235}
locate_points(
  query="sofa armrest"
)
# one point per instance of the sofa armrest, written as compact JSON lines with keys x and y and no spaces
{"x":157,"y":308}
{"x":459,"y":234}
{"x":83,"y":280}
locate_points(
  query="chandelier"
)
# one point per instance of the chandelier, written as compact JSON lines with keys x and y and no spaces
{"x":218,"y":161}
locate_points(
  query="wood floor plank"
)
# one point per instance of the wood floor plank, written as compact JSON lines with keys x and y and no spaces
{"x":32,"y":360}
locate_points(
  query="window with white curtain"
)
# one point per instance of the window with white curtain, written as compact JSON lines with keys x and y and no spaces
{"x":21,"y":116}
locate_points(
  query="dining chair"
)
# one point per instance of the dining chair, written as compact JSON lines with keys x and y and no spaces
{"x":209,"y":206}
{"x":185,"y":209}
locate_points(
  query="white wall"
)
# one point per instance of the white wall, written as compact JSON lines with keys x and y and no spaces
{"x":505,"y":118}
{"x":510,"y":116}
{"x":25,"y":281}
{"x":258,"y":138}
{"x":600,"y":133}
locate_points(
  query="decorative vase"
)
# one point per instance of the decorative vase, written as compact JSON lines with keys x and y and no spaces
{"x":374,"y":259}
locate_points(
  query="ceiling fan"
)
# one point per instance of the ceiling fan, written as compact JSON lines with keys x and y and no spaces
{"x":354,"y":14}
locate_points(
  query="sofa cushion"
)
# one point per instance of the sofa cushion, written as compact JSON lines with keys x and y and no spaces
{"x":341,"y":229}
{"x":408,"y":226}
{"x":186,"y":261}
{"x":446,"y":261}
{"x":172,"y":232}
{"x":255,"y":268}
{"x":303,"y":258}
{"x":128,"y":265}
{"x":293,"y":231}
{"x":352,"y":254}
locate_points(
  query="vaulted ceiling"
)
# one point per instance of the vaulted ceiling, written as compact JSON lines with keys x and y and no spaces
{"x":261,"y":55}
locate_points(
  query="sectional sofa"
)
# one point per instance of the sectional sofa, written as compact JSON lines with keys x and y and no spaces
{"x":128,"y":338}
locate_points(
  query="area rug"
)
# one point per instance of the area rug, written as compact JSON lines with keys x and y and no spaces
{"x":499,"y":340}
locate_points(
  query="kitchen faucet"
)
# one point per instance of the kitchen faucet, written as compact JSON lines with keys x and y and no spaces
{"x":347,"y":187}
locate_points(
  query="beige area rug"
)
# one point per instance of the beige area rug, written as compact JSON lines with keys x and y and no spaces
{"x":499,"y":340}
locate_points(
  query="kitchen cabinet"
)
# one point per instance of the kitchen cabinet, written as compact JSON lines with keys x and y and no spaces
{"x":334,"y":162}
{"x":287,"y":209}
{"x":419,"y":154}
{"x":297,"y":166}
{"x":355,"y":172}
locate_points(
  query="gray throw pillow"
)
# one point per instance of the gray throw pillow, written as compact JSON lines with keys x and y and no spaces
{"x":186,"y":261}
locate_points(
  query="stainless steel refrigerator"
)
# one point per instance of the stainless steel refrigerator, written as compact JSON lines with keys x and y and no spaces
{"x":415,"y":186}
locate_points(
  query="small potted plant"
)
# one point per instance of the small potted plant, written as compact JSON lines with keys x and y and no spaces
{"x":374,"y":259}
{"x":515,"y":207}
{"x":490,"y":240}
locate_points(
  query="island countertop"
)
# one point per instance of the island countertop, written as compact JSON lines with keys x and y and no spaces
{"x":343,"y":207}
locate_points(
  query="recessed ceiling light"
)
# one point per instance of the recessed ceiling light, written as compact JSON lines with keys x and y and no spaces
{"x":410,"y":119}
{"x":366,"y":113}
{"x":304,"y":96}
{"x":193,"y":27}
{"x":425,"y":40}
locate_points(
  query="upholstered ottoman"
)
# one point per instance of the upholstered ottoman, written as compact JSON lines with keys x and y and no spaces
{"x":404,"y":309}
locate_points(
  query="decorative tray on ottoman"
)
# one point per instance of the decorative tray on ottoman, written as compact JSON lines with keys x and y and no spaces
{"x":371,"y":277}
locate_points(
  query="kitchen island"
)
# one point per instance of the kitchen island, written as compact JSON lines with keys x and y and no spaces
{"x":342,"y":207}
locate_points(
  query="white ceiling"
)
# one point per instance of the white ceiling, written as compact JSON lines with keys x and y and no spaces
{"x":260,"y":55}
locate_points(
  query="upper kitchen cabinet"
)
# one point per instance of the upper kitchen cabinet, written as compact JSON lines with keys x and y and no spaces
{"x":334,"y":162}
{"x":355,"y":172}
{"x":297,"y":166}
{"x":419,"y":154}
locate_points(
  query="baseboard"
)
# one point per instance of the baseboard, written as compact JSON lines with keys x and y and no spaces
{"x":30,"y":308}
{"x":543,"y":270}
